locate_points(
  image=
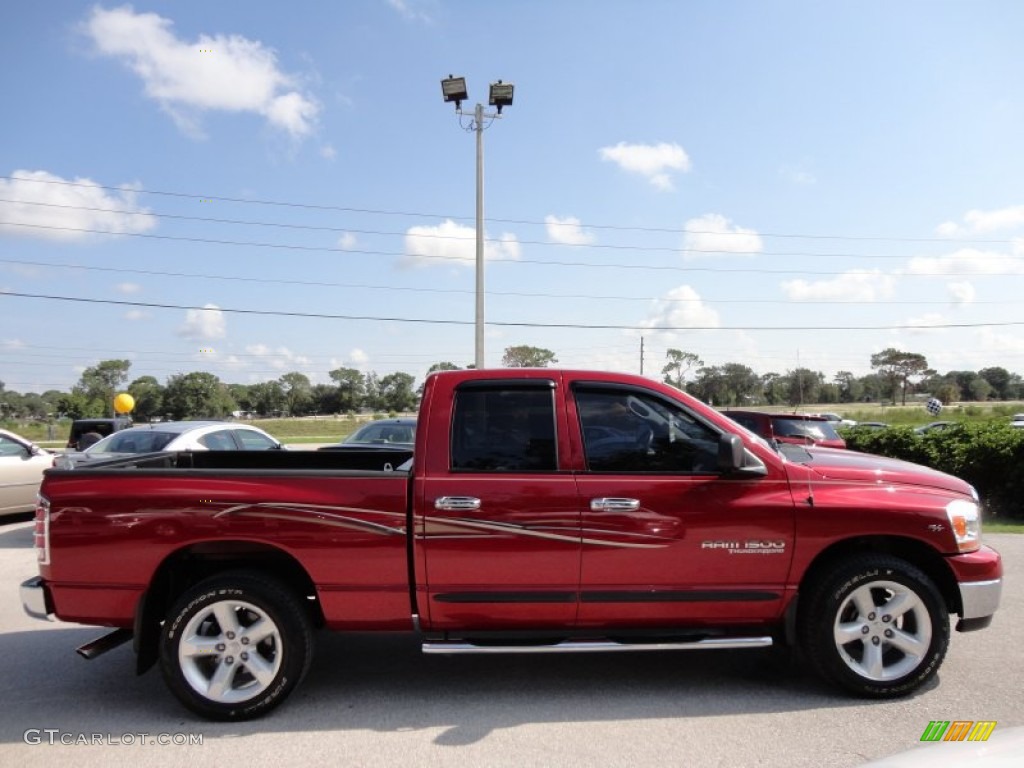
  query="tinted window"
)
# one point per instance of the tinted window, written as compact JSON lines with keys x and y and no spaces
{"x":254,"y":441}
{"x":817,"y":430}
{"x":218,"y":441}
{"x":626,"y":431}
{"x":504,"y":430}
{"x":9,"y":447}
{"x":129,"y":441}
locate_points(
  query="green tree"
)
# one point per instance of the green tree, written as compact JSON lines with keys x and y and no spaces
{"x":999,"y":379}
{"x":729,"y":384}
{"x":351,"y":388}
{"x":325,"y":398}
{"x":980,"y":389}
{"x":774,"y":387}
{"x":149,"y":398}
{"x":396,"y":392}
{"x":297,"y":388}
{"x":197,"y":395}
{"x":527,"y":357}
{"x":803,"y":386}
{"x":268,"y":398}
{"x":99,"y":383}
{"x":896,"y":368}
{"x":850,"y":388}
{"x":679,"y":364}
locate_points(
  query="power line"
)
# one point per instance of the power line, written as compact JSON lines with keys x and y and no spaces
{"x":593,"y":265}
{"x":468,"y":239}
{"x":508,"y":324}
{"x":532,"y":222}
{"x":518,"y":294}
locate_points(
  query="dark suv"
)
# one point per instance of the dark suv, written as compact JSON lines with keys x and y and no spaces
{"x":102,"y":427}
{"x":798,"y":428}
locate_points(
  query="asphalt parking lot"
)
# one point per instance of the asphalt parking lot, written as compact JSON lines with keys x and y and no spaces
{"x":375,"y":700}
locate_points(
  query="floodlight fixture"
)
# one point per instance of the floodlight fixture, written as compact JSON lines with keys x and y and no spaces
{"x":454,"y":89}
{"x":501,"y":95}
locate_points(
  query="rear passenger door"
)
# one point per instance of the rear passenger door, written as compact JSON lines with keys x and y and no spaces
{"x":498,"y":523}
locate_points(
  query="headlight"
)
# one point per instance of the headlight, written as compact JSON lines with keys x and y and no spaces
{"x":965,"y":521}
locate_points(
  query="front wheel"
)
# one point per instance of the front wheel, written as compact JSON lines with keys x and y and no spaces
{"x":876,"y":625}
{"x":235,"y":646}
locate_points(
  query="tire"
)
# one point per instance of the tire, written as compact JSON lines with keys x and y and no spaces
{"x":876,"y":626}
{"x":235,"y":646}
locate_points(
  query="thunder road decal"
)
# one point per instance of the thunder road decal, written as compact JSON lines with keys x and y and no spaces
{"x":758,"y":547}
{"x":393,"y":523}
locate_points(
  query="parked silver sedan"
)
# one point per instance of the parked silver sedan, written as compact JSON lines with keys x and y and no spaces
{"x":21,"y":470}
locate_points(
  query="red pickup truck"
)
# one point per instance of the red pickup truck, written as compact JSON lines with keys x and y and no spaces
{"x":544,"y":511}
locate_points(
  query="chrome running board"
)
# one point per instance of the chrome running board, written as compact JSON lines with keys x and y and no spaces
{"x":584,"y":646}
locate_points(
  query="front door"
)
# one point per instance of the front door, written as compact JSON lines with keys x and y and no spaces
{"x":667,"y":539}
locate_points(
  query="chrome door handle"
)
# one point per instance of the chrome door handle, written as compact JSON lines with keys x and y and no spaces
{"x":614,"y":505}
{"x":457,"y":503}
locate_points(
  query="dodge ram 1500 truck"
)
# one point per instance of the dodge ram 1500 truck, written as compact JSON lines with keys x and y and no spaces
{"x":539,"y":511}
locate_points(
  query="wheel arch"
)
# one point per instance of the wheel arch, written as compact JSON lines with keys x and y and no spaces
{"x":915,"y":552}
{"x":189,"y":565}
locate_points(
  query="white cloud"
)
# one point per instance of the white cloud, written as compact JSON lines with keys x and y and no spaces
{"x":358,"y":357}
{"x":53,"y":207}
{"x":926,"y":323}
{"x":411,"y":10}
{"x":206,"y":323}
{"x":128,"y":288}
{"x":347,"y":241}
{"x":12,"y":344}
{"x":855,"y":285}
{"x":450,"y":243}
{"x":328,"y":152}
{"x":798,"y":176}
{"x":652,"y":161}
{"x":962,"y":293}
{"x":567,"y":231}
{"x":136,"y":314}
{"x":682,"y":307}
{"x":281,"y":358}
{"x":977,"y":221}
{"x":713,"y":233}
{"x":228,"y":73}
{"x":966,"y":261}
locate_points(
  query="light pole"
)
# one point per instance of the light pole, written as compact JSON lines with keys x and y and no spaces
{"x":454,"y":89}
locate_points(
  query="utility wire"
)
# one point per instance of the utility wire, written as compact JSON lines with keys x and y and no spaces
{"x":519,"y":294}
{"x":532,"y":222}
{"x":508,"y":324}
{"x":594,"y":265}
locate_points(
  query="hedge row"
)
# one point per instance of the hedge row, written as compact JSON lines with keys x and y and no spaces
{"x":988,"y":455}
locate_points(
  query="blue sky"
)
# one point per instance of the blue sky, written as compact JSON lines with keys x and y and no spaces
{"x":780,"y":184}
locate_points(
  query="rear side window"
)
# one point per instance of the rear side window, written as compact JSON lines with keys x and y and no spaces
{"x":218,"y":441}
{"x":129,"y":441}
{"x":504,"y":429}
{"x":254,"y":441}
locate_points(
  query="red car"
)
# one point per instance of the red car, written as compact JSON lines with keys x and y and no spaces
{"x":797,"y":428}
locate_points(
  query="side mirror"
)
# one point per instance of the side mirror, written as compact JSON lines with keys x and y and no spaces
{"x":730,"y":453}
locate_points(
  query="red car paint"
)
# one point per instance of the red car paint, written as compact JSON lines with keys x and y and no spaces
{"x":549,"y":545}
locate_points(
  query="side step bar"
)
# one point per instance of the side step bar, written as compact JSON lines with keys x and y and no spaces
{"x":583,"y":646}
{"x":101,"y":645}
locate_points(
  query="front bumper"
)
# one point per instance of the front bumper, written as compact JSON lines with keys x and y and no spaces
{"x":35,"y":598}
{"x":979,"y":600}
{"x":979,"y":577}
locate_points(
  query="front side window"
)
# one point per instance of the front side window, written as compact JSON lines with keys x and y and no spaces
{"x":504,"y":429}
{"x":629,"y":431}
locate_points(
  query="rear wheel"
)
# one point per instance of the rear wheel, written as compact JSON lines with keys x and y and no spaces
{"x":876,"y":625}
{"x":235,"y":646}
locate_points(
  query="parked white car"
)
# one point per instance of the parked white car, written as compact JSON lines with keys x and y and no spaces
{"x":1018,"y":420}
{"x":21,"y":470}
{"x":172,"y":436}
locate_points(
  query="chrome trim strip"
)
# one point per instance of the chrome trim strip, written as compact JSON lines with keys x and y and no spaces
{"x":980,"y":598}
{"x":599,"y":646}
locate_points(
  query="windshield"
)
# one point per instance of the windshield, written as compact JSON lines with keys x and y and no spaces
{"x":130,"y":441}
{"x":817,"y":430}
{"x":383,"y":433}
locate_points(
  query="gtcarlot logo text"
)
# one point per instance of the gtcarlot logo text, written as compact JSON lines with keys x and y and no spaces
{"x":71,"y":738}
